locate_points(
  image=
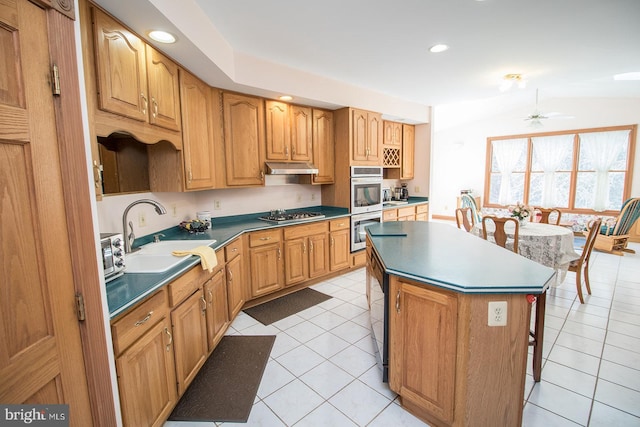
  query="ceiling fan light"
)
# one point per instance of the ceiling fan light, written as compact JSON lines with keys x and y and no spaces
{"x":438,"y":48}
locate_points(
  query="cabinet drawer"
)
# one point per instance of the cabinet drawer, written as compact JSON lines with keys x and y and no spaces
{"x":421,"y":209}
{"x":186,"y":284}
{"x":297,"y":231}
{"x":133,"y":325}
{"x":390,"y":215}
{"x":266,"y":237}
{"x":233,"y":249}
{"x":338,"y":224}
{"x":408,"y":211}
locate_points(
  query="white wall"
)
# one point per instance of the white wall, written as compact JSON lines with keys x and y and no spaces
{"x":459,"y":139}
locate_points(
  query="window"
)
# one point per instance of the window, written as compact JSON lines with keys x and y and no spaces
{"x":582,"y":171}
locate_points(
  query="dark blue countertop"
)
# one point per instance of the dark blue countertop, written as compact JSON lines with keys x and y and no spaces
{"x":441,"y":255}
{"x":130,"y":288}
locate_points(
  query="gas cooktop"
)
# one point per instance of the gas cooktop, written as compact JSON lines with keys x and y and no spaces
{"x":283,"y":217}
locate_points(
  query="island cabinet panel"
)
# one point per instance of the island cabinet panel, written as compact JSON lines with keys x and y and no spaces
{"x":423,"y":328}
{"x":244,"y":139}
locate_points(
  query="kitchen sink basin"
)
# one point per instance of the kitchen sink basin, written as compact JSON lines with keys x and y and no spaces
{"x":157,"y":258}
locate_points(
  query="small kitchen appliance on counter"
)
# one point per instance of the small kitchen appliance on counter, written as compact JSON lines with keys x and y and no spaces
{"x":404,"y":192}
{"x":112,"y":248}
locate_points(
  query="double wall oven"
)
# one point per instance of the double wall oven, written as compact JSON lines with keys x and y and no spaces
{"x":366,"y":202}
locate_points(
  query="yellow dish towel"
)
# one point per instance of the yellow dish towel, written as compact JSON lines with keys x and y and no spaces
{"x":207,"y":255}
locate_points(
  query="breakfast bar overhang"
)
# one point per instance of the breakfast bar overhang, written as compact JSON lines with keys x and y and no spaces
{"x":441,"y":286}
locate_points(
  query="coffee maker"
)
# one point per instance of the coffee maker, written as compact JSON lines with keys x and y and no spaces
{"x":404,"y":192}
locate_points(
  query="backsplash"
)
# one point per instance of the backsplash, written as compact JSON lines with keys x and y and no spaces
{"x":183,"y":206}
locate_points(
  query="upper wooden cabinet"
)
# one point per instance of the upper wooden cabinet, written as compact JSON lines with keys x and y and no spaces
{"x":301,"y":134}
{"x":197,"y":133}
{"x":392,"y":133}
{"x":288,"y":132}
{"x":408,"y":150}
{"x":133,"y":79}
{"x":366,"y":138}
{"x":244,"y":139}
{"x":323,"y":146}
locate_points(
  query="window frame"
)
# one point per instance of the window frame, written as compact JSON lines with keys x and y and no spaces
{"x":626,"y":193}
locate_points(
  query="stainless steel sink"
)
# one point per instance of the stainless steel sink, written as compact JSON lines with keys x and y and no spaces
{"x":157,"y":257}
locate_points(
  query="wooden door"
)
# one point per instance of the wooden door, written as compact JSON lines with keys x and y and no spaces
{"x":422,"y":347}
{"x":339,"y":250}
{"x":189,"y":325}
{"x":197,"y":133}
{"x":41,"y":359}
{"x":215,"y":291}
{"x":392,"y":133}
{"x":323,"y":146}
{"x":121,"y":69}
{"x":408,"y":150}
{"x":244,"y":139}
{"x":318,"y":255}
{"x":296,"y":264}
{"x":147,"y":378}
{"x":266,"y":269}
{"x":359,"y":145}
{"x":278,"y":130}
{"x":301,"y":134}
{"x":374,"y":138}
{"x":235,"y":285}
{"x":164,"y":90}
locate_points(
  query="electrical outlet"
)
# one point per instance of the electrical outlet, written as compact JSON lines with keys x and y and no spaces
{"x":216,"y":204}
{"x":313,"y":196}
{"x":497,"y":313}
{"x":174,"y":210}
{"x":142,"y":220}
{"x":298,"y":197}
{"x":416,"y":188}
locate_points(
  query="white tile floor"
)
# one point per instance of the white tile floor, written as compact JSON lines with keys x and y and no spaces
{"x":322,"y":369}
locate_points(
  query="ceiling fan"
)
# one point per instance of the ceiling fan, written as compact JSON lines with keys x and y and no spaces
{"x":535,"y":118}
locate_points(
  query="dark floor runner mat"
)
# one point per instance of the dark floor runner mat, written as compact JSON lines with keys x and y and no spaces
{"x":285,"y":306}
{"x":226,"y":386}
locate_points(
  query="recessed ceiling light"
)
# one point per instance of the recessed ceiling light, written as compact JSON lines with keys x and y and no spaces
{"x":285,"y":98}
{"x":510,"y":79}
{"x":635,"y":75}
{"x":162,"y":36}
{"x":438,"y":48}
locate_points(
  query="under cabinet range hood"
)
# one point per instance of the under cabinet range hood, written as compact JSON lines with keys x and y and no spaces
{"x":293,"y":168}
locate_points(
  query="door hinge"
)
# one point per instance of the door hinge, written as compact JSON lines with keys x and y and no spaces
{"x":80,"y":307}
{"x":55,"y":79}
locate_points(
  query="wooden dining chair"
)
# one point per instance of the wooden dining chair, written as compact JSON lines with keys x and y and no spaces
{"x":614,"y":239}
{"x":549,"y":216}
{"x":580,"y":266}
{"x":465,"y":218}
{"x":500,"y":235}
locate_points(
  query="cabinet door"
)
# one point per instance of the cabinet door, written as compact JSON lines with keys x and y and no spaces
{"x":147,"y":379}
{"x":278,"y":130}
{"x":235,"y":286}
{"x":266,"y":269}
{"x":408,"y":150}
{"x":422,"y":347}
{"x":295,"y":261}
{"x":392,"y":134}
{"x":374,"y":138}
{"x":215,"y":292}
{"x":318,"y":255}
{"x":301,"y":134}
{"x":339,"y":253}
{"x":244,"y":139}
{"x":359,"y":147}
{"x":121,"y":69}
{"x":189,"y":326}
{"x":164,"y":91}
{"x":323,"y":147}
{"x":197,"y":132}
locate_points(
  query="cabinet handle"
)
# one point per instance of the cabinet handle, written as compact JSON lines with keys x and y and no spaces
{"x":190,"y":177}
{"x":168,"y":346}
{"x":332,"y":242}
{"x":155,"y":107}
{"x":398,"y":302}
{"x":234,"y":250}
{"x":279,"y":254}
{"x":145,"y":103}
{"x":204,"y":305}
{"x":293,"y":150}
{"x":286,"y":150}
{"x":230,"y":275}
{"x":304,"y":248}
{"x":145,"y":320}
{"x":97,"y":174}
{"x":261,"y":175}
{"x":266,"y":238}
{"x":310,"y":246}
{"x":211,"y":296}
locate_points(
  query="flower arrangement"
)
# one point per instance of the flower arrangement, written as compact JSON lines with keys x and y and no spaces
{"x":520,"y":211}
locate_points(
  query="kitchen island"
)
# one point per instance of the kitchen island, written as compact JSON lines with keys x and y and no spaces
{"x":442,"y":289}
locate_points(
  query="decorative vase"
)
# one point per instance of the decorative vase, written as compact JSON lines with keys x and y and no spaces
{"x":523,"y":221}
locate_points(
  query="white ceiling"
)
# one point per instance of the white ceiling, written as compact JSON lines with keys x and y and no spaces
{"x":566,"y":48}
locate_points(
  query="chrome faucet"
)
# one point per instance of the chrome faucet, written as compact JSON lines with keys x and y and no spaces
{"x":130,"y":237}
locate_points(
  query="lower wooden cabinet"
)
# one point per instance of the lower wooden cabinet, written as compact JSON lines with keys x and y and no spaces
{"x":418,"y":212}
{"x":236,"y":284}
{"x":215,"y":293}
{"x":147,"y":379}
{"x":266,"y":263}
{"x":318,"y":255}
{"x":339,"y":244}
{"x":306,"y":249}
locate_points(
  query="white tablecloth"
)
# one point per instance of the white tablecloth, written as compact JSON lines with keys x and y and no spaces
{"x":547,"y":244}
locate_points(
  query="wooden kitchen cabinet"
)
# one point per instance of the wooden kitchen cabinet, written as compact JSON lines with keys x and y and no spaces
{"x":301,"y":134}
{"x":407,"y":213}
{"x":392,"y":133}
{"x":323,"y":146}
{"x":237,"y":292}
{"x":215,"y":293}
{"x":197,"y":134}
{"x":418,"y":212}
{"x":339,"y":244}
{"x":189,"y":325}
{"x":244,"y":139}
{"x":408,"y":152}
{"x":266,"y":263}
{"x":367,"y":138}
{"x":306,"y":252}
{"x":133,"y":79}
{"x":278,"y":130}
{"x":422,"y":212}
